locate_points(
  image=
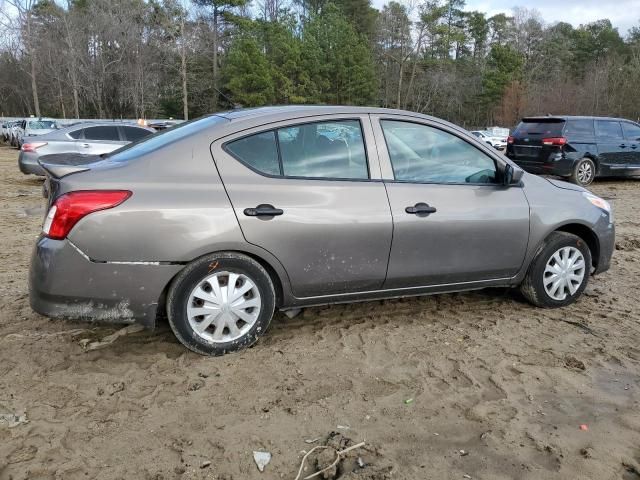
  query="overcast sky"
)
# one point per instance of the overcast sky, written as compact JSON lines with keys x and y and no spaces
{"x":623,"y":14}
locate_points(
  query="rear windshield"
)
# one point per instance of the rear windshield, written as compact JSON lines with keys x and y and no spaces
{"x":41,"y":125}
{"x":158,"y":140}
{"x":544,"y":128}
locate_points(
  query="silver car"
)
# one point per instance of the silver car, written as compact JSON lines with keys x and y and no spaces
{"x":81,"y":139}
{"x":221,"y":220}
{"x":33,"y":127}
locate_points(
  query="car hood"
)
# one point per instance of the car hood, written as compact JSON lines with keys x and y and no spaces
{"x":566,"y":185}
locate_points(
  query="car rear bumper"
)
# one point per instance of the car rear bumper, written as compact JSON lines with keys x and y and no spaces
{"x":65,"y":283}
{"x":562,"y":167}
{"x":28,"y":163}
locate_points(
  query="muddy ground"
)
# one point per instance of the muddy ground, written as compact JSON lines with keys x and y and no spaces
{"x":475,"y":385}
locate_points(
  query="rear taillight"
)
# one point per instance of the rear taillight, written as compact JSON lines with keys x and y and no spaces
{"x":31,"y":147}
{"x":555,"y":141}
{"x":510,"y":140}
{"x":70,"y":208}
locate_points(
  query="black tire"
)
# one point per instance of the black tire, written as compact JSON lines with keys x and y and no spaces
{"x":193,"y":274}
{"x":532,"y":286}
{"x":580,"y":169}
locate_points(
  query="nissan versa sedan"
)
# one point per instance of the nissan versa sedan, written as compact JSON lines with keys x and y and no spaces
{"x":221,"y":220}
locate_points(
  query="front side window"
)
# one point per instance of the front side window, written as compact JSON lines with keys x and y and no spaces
{"x":332,"y":150}
{"x":424,"y":154}
{"x":608,"y":130}
{"x":631,"y":131}
{"x":101,"y":133}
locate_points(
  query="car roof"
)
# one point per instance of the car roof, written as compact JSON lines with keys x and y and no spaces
{"x":570,"y":117}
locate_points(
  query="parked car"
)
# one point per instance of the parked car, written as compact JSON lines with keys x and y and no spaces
{"x":5,"y":131}
{"x":496,"y":142}
{"x":9,"y":133}
{"x":220,"y":220}
{"x":32,"y":127}
{"x":578,"y":148}
{"x":80,"y":139}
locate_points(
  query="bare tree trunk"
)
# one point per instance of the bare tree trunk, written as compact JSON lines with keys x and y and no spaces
{"x":32,"y":59}
{"x":215,"y":57}
{"x":183,"y":73}
{"x":400,"y":75}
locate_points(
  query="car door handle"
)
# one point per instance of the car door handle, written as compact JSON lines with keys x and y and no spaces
{"x":634,"y":146}
{"x":263,"y":210}
{"x":421,"y":209}
{"x":622,"y":146}
{"x":85,"y":145}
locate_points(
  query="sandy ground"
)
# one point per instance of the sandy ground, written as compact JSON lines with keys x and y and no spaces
{"x":476,"y":385}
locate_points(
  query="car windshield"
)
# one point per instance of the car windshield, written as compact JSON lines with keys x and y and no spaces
{"x":42,"y":124}
{"x":158,"y":140}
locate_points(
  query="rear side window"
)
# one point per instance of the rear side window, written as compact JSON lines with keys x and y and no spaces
{"x":76,"y":133}
{"x":579,"y":128}
{"x":332,"y":150}
{"x":258,"y":152}
{"x":608,"y":130}
{"x":101,"y":133}
{"x":324,"y":150}
{"x":631,"y":131}
{"x":539,"y":128}
{"x":131,"y":134}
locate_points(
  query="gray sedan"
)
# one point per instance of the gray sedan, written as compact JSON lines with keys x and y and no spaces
{"x":80,"y":139}
{"x":221,"y":220}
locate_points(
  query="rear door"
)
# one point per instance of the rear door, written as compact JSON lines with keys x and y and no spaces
{"x":100,"y":139}
{"x":527,"y":148}
{"x":631,"y":133}
{"x":452,"y":221}
{"x":309,"y":192}
{"x":612,"y":147}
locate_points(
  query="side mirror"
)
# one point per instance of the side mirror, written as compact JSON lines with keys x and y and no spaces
{"x":511,"y":175}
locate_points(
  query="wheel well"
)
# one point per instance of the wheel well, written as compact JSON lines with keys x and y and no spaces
{"x":594,"y":159}
{"x":275,"y":278}
{"x":586,"y":234}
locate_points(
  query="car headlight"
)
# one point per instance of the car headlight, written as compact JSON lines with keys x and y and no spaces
{"x":598,"y":202}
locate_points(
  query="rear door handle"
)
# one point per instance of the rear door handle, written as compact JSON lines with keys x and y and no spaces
{"x":263,"y":210}
{"x":85,"y":145}
{"x":421,"y":209}
{"x":622,"y":146}
{"x":634,"y":146}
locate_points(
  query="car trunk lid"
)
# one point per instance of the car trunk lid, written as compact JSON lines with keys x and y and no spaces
{"x":58,"y":166}
{"x":530,"y":140}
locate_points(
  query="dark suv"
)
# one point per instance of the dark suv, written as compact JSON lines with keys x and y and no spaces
{"x":579,"y":148}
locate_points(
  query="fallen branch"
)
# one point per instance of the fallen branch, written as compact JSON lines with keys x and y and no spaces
{"x":339,"y":455}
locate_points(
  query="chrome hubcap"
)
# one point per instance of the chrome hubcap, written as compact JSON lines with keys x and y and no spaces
{"x":223,"y":307}
{"x":564,"y":273}
{"x":585,"y":172}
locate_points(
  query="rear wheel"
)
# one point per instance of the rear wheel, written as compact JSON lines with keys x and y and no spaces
{"x":584,"y":172}
{"x":559,"y":272}
{"x":220,"y":303}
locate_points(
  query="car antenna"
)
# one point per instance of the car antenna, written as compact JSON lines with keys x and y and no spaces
{"x":235,"y":105}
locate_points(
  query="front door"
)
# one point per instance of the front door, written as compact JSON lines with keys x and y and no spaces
{"x":453,"y":223}
{"x":613,"y":151}
{"x":309,"y":192}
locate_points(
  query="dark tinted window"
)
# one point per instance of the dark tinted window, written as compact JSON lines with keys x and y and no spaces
{"x":76,"y":133}
{"x":132,"y":134}
{"x":631,"y":131}
{"x":324,"y":150}
{"x":420,"y":153}
{"x":101,"y":133}
{"x":608,"y":129}
{"x":258,"y":152}
{"x":579,"y":128}
{"x":539,"y":128}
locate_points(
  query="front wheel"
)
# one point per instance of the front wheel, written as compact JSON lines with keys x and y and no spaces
{"x":559,"y":272}
{"x":220,"y":303}
{"x":584,"y":172}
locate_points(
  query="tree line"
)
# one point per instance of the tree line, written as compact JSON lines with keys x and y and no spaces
{"x":185,"y":58}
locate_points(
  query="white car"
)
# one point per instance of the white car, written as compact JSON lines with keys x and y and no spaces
{"x":495,"y":142}
{"x":31,"y":127}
